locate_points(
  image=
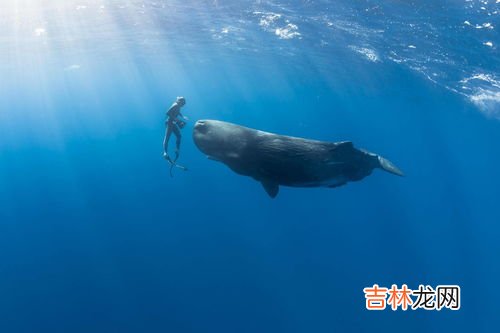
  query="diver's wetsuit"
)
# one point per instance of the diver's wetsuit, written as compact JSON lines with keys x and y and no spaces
{"x":171,"y":123}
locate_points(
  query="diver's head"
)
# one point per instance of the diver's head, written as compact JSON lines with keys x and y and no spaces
{"x":181,"y":101}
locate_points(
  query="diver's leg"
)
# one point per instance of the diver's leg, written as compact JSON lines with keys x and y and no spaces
{"x":168,"y":133}
{"x":177,"y":133}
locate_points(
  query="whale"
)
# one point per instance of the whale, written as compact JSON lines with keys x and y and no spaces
{"x":278,"y":160}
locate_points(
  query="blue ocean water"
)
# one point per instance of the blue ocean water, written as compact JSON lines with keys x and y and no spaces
{"x":96,"y":237}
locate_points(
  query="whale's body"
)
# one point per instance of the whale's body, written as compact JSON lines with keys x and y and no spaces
{"x":276,"y":160}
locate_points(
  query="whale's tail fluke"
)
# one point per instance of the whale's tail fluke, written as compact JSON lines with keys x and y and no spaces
{"x":387,"y":165}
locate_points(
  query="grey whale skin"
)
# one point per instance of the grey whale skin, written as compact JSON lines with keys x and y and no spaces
{"x":276,"y":160}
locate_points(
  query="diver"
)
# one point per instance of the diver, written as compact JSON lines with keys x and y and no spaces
{"x":174,"y":123}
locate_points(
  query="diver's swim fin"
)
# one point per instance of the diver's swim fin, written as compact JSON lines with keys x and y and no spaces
{"x":173,"y":164}
{"x":183,"y":168}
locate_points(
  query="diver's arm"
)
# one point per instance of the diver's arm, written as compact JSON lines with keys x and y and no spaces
{"x":183,"y":117}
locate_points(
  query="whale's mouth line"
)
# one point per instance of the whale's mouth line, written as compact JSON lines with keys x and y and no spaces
{"x":212,"y":158}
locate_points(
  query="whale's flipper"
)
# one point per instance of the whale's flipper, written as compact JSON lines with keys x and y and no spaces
{"x":271,"y":188}
{"x":387,"y":165}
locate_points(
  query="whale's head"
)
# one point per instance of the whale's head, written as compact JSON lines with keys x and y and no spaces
{"x":220,"y":140}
